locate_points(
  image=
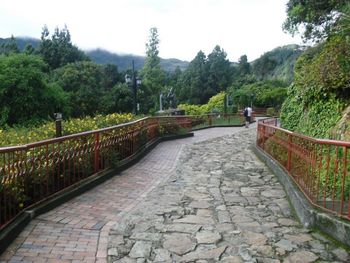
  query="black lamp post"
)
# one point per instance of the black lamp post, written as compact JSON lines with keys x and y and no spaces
{"x":134,"y":82}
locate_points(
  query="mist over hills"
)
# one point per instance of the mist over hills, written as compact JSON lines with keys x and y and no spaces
{"x":101,"y":56}
{"x":124,"y":61}
{"x":277,"y":63}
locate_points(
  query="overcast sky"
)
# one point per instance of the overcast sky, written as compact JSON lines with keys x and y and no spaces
{"x":250,"y":27}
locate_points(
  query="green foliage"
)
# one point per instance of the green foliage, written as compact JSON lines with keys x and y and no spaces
{"x":103,"y":57}
{"x":81,"y":80}
{"x":194,"y":81}
{"x":117,"y":99}
{"x":243,"y":66}
{"x":270,"y":112}
{"x":21,"y":42}
{"x":316,"y":121}
{"x":325,"y":72}
{"x":343,"y":27}
{"x":205,"y":77}
{"x":321,"y":89}
{"x":25,"y":94}
{"x":59,"y":50}
{"x":110,"y":76}
{"x":277,"y":63}
{"x":219,"y":71}
{"x":191,"y":109}
{"x":8,"y":47}
{"x":216,"y":103}
{"x":319,"y":18}
{"x":268,"y":93}
{"x":19,"y":135}
{"x":152,"y":75}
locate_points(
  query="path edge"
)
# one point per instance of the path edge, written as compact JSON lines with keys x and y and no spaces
{"x":308,"y":215}
{"x":9,"y":233}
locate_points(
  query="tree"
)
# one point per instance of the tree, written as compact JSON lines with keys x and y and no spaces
{"x":29,"y":49}
{"x":318,"y":18}
{"x":110,"y":76}
{"x":243,"y":66}
{"x":194,"y":81}
{"x":59,"y":50}
{"x":82,"y":80}
{"x":25,"y":95}
{"x":267,"y":93}
{"x":153,"y":77}
{"x":117,"y":99}
{"x":9,"y":47}
{"x":263,"y":66}
{"x":219,"y":71}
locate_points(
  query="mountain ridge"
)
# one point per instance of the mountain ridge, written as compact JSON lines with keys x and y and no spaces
{"x":103,"y":56}
{"x":276,"y":63}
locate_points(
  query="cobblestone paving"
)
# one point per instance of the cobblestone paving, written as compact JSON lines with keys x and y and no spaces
{"x":220,"y":203}
{"x":77,"y":231}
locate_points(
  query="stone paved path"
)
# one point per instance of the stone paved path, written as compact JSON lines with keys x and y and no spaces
{"x":220,"y":203}
{"x":78,"y":230}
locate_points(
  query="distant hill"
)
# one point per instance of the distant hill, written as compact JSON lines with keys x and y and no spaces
{"x":277,"y":63}
{"x":123,"y":62}
{"x":22,"y":41}
{"x":101,"y":56}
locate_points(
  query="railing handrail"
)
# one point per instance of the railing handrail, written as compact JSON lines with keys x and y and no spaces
{"x":319,"y":167}
{"x":31,"y":172}
{"x":75,"y":135}
{"x":316,"y":140}
{"x":65,"y":137}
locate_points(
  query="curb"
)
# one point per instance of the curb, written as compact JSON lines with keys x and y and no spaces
{"x":309,"y":216}
{"x":14,"y":228}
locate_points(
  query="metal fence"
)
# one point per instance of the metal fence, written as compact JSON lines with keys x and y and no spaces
{"x":320,"y":168}
{"x":33,"y":172}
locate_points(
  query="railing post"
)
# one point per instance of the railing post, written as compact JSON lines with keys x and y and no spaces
{"x":263,"y":135}
{"x":97,"y":152}
{"x":289,"y":160}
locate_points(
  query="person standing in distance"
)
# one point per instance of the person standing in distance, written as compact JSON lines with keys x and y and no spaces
{"x":248,"y":116}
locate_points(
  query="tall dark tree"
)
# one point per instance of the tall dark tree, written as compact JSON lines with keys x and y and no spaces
{"x":153,"y":77}
{"x":195,"y":81}
{"x":243,"y":66}
{"x":220,"y":72}
{"x":117,"y":99}
{"x":110,"y":76}
{"x":58,"y":50}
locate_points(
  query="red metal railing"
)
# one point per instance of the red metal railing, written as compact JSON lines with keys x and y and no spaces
{"x":320,"y":168}
{"x":33,"y":172}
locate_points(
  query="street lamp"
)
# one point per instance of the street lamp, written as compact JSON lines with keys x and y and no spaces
{"x":134,"y":82}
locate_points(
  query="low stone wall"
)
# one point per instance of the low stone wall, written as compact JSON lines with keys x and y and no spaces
{"x":310,"y":216}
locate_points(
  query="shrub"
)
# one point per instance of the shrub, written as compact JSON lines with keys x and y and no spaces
{"x":24,"y":135}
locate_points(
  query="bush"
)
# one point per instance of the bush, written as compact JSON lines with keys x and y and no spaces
{"x":320,"y":92}
{"x":24,"y":135}
{"x":193,"y":109}
{"x":270,"y":111}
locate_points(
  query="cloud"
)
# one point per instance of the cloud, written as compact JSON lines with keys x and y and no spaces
{"x":249,"y":27}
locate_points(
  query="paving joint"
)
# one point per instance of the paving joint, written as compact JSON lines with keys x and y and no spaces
{"x":210,"y":193}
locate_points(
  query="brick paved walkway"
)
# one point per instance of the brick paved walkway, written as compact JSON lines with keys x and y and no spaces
{"x":77,"y":231}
